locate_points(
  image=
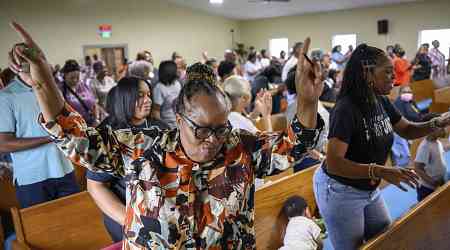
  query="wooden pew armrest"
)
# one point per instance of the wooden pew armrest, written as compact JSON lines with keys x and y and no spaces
{"x":16,"y":245}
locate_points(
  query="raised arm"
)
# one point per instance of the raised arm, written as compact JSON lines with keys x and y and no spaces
{"x":303,"y":133}
{"x":44,"y":86}
{"x":309,"y":86}
{"x":87,"y":147}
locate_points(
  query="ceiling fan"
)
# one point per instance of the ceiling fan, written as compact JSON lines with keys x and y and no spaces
{"x":269,"y":1}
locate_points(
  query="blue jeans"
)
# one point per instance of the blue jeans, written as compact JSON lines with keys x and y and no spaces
{"x":423,"y":192}
{"x":351,"y":216}
{"x":114,"y":229}
{"x":47,"y":190}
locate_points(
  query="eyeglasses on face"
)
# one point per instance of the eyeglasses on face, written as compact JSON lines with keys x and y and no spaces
{"x":203,"y":133}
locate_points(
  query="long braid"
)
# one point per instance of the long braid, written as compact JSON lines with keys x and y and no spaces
{"x":358,"y":77}
{"x":358,"y":84}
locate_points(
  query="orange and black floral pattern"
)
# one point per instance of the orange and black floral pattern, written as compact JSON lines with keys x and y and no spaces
{"x":173,"y":202}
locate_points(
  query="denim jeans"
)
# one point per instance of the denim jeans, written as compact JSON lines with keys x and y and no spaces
{"x":47,"y":190}
{"x":351,"y":216}
{"x":423,"y":192}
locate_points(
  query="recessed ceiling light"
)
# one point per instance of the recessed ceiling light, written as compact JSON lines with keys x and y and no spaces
{"x":216,"y":1}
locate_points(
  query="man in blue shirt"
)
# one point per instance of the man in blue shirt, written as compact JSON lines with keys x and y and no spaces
{"x":40,"y":171}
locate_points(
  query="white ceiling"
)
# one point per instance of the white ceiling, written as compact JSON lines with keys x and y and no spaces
{"x":253,"y":9}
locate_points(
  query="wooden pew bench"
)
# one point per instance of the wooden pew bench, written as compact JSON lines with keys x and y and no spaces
{"x":269,"y":200}
{"x":72,"y":222}
{"x":7,"y":201}
{"x":426,"y":226}
{"x":426,"y":89}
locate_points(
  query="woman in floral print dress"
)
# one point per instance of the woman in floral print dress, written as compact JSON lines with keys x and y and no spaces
{"x":191,"y":187}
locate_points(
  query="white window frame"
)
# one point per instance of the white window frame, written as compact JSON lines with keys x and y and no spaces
{"x":283,"y":44}
{"x":442,"y":35}
{"x":344,"y":41}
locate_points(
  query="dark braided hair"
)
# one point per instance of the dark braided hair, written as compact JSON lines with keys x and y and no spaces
{"x":294,"y":206}
{"x":356,"y":83}
{"x":199,"y":71}
{"x":195,"y":88}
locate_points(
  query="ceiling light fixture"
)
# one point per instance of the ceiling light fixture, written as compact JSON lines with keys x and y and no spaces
{"x":216,"y":1}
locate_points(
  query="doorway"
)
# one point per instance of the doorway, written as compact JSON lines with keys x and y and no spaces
{"x":111,"y":54}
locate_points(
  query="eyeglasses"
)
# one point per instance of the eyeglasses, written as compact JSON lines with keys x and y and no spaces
{"x":203,"y":133}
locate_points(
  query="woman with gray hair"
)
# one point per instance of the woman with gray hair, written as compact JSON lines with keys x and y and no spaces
{"x":140,"y":69}
{"x":239,"y":92}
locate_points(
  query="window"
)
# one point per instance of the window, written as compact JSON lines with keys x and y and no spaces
{"x":442,"y":35}
{"x":344,"y":40}
{"x":277,"y":45}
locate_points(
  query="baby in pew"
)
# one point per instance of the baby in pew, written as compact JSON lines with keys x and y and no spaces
{"x":302,"y":233}
{"x":430,"y":163}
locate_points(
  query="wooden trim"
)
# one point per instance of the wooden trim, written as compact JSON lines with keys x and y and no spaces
{"x":106,"y":46}
{"x":16,"y":245}
{"x":415,"y":211}
{"x":69,"y":197}
{"x":2,"y":233}
{"x":17,"y":220}
{"x":312,"y":169}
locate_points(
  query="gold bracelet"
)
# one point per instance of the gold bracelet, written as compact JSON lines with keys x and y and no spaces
{"x":372,"y":171}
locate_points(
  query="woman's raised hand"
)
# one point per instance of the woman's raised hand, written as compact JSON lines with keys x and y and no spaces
{"x":309,"y":86}
{"x":308,"y":77}
{"x":29,"y":52}
{"x":48,"y":96}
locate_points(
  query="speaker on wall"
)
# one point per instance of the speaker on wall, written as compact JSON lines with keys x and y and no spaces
{"x":383,"y":26}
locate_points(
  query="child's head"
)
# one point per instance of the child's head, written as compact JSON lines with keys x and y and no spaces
{"x":296,"y":206}
{"x":439,"y":133}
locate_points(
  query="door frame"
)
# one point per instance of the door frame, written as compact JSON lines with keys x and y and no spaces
{"x":107,"y":46}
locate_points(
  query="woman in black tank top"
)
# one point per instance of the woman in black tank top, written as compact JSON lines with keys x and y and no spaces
{"x":360,"y":138}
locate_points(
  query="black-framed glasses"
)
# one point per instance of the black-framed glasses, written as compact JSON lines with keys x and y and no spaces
{"x":203,"y":133}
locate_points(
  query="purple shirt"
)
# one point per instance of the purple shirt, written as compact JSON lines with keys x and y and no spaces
{"x":89,"y":100}
{"x":438,"y":62}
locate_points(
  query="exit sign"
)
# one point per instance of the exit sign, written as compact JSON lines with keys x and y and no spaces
{"x":105,"y":30}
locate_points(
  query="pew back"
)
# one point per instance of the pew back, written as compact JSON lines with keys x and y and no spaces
{"x":279,"y":123}
{"x":72,"y":222}
{"x":426,"y":226}
{"x":7,"y":201}
{"x":269,"y":221}
{"x":426,"y":89}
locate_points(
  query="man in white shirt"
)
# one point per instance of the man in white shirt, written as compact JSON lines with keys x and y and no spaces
{"x":252,"y":68}
{"x":265,"y":61}
{"x":292,"y":60}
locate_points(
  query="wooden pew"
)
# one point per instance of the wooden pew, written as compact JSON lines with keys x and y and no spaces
{"x":426,"y":226}
{"x":422,"y":89}
{"x":7,"y":201}
{"x":72,"y":222}
{"x":270,"y":179}
{"x":279,"y":122}
{"x":426,"y":89}
{"x":80,"y":176}
{"x":442,"y":98}
{"x":269,"y":221}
